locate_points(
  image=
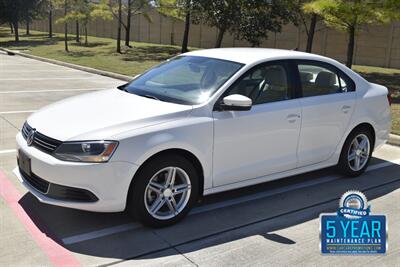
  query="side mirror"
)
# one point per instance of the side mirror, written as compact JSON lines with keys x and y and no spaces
{"x":236,"y":102}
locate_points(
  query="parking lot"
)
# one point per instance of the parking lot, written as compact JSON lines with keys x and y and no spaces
{"x":275,"y":223}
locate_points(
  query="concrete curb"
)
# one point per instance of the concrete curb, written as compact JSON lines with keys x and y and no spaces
{"x":394,"y":139}
{"x":69,"y":65}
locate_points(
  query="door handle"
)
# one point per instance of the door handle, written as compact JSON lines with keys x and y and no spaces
{"x":346,"y":109}
{"x":292,"y":117}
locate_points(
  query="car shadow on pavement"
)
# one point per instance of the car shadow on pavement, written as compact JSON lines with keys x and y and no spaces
{"x":259,"y":216}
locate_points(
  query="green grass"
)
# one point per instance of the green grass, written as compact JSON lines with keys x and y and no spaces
{"x":396,"y":119}
{"x":388,"y":77}
{"x":391,"y":79}
{"x":100,"y":54}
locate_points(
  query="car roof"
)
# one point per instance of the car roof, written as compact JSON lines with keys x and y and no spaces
{"x":248,"y":55}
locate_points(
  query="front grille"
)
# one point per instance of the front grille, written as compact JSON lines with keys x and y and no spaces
{"x":40,"y":141}
{"x":36,"y":182}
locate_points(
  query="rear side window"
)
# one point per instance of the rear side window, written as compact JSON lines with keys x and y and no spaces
{"x":323,"y":79}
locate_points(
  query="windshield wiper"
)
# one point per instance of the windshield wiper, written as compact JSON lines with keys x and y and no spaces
{"x":151,"y":96}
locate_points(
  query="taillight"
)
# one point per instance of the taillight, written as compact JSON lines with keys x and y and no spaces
{"x":389,"y":97}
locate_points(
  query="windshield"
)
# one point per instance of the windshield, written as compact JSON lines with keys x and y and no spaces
{"x":184,"y":80}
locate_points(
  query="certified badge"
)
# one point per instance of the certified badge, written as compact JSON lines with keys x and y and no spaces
{"x":353,"y":230}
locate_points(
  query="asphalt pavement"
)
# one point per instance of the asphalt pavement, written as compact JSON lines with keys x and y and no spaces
{"x":274,"y":223}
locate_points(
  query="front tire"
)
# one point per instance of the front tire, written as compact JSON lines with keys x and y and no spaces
{"x":163,"y":191}
{"x":356,"y":153}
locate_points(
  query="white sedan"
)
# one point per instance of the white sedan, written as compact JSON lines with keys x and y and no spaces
{"x":201,"y":123}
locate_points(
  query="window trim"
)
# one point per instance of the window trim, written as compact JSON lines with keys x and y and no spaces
{"x":290,"y":76}
{"x":340,"y":74}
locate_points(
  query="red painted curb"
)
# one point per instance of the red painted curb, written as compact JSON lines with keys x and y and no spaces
{"x":57,"y":255}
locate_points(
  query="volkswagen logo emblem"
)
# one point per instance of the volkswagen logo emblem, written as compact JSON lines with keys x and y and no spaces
{"x":30,"y":137}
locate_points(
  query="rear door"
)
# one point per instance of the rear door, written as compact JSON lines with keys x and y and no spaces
{"x":327,"y":100}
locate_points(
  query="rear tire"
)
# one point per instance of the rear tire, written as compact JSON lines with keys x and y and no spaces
{"x":163,"y":191}
{"x":356,"y":152}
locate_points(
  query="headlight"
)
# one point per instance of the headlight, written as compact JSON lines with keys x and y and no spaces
{"x":90,"y":151}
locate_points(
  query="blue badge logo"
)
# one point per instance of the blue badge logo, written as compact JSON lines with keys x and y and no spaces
{"x":353,"y":205}
{"x":353,"y":230}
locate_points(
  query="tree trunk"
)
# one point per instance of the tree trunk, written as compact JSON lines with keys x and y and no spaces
{"x":16,"y":33}
{"x":185,"y":40}
{"x":51,"y":21}
{"x":66,"y":37}
{"x":310,"y":36}
{"x":119,"y":26}
{"x":27,"y":28}
{"x":86,"y":37}
{"x":350,"y":47}
{"x":220,"y":36}
{"x":128,"y":23}
{"x":11,"y":28}
{"x":77,"y":37}
{"x":65,"y":27}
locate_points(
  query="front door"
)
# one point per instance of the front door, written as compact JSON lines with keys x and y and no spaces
{"x":263,"y":140}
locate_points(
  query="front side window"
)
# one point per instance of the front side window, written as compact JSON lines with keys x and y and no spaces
{"x":319,"y":80}
{"x":263,"y":84}
{"x":185,"y":79}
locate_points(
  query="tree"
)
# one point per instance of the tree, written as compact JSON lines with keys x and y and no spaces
{"x":185,"y":39}
{"x":128,"y":23}
{"x":392,"y":9}
{"x":91,"y":11}
{"x":35,"y":10}
{"x":50,"y":19}
{"x":310,"y":32}
{"x":77,"y":37}
{"x":15,"y":12}
{"x":65,"y":5}
{"x":307,"y":19}
{"x":249,"y":20}
{"x":134,"y":7}
{"x":114,"y":7}
{"x":84,"y":11}
{"x":349,"y":16}
{"x":184,"y":10}
{"x":258,"y":18}
{"x":66,"y":26}
{"x":119,"y":26}
{"x":130,"y":8}
{"x":222,"y":14}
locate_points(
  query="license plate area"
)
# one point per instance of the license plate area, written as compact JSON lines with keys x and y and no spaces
{"x":24,"y":162}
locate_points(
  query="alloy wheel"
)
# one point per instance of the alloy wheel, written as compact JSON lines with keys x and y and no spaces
{"x":358,"y":153}
{"x":167,"y":193}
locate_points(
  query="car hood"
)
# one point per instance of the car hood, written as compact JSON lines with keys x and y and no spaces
{"x":101,"y":114}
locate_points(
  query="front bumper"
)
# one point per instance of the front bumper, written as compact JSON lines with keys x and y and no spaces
{"x":108,"y":182}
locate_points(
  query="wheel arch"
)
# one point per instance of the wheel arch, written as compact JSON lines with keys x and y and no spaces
{"x":343,"y":162}
{"x":367,"y":126}
{"x":176,"y":151}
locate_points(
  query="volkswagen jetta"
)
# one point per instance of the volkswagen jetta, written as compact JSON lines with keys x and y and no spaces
{"x":200,"y":123}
